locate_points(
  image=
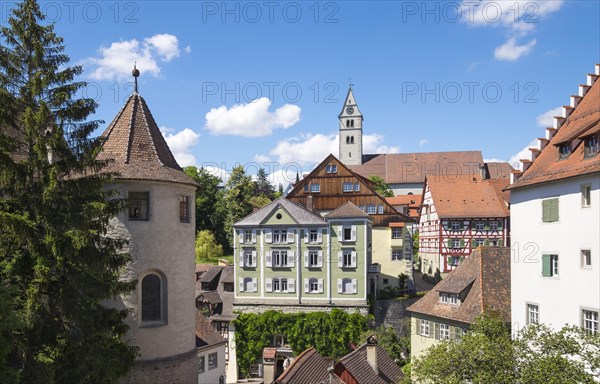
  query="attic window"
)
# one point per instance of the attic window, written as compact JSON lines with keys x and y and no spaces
{"x":590,"y":146}
{"x":449,"y":298}
{"x":564,"y":150}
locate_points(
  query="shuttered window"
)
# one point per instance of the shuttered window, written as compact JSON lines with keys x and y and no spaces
{"x":550,"y":210}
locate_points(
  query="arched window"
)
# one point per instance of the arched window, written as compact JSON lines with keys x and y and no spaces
{"x":153,"y":298}
{"x":347,"y":139}
{"x":347,"y":123}
{"x":352,"y":123}
{"x":351,"y":139}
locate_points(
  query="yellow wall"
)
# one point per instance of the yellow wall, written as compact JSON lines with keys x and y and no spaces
{"x":382,"y":254}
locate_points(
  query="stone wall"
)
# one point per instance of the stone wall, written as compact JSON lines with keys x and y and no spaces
{"x":181,"y":369}
{"x":247,"y":308}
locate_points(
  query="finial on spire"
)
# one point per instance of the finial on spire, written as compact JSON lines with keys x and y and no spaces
{"x":135,"y":73}
{"x":350,"y":84}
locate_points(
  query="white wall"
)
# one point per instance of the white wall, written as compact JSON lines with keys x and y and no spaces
{"x":211,"y":376}
{"x":560,"y":298}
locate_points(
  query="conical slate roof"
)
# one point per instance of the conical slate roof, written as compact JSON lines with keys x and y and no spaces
{"x":138,"y":148}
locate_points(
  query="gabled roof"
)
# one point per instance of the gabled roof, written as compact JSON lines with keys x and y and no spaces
{"x":206,"y":335}
{"x":308,"y":368}
{"x":211,"y":274}
{"x":356,"y":364}
{"x":398,"y":168}
{"x":301,"y":215}
{"x":347,"y":210}
{"x":467,"y":196}
{"x":583,"y":120}
{"x":484,"y":279}
{"x":137,"y":148}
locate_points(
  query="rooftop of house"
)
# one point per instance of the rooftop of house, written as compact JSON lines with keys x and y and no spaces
{"x":206,"y":335}
{"x":224,"y":311}
{"x":357,"y":365}
{"x":347,"y":210}
{"x":299,"y":214}
{"x":308,"y":368}
{"x":482,"y":280}
{"x":468,"y":196}
{"x":582,"y":122}
{"x":412,"y":202}
{"x":137,"y":149}
{"x":402,"y":168}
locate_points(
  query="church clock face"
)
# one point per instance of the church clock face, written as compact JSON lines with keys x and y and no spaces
{"x":349,"y":110}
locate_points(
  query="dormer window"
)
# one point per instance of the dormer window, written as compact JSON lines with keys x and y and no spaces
{"x":331,"y":168}
{"x":449,"y":298}
{"x":564,"y":150}
{"x":590,"y":146}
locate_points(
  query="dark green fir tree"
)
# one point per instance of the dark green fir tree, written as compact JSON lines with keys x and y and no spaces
{"x":57,"y":266}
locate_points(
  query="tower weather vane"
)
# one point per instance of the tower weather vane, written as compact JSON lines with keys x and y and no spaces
{"x":135,"y":73}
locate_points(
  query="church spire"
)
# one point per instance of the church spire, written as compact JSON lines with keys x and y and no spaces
{"x":350,"y":130}
{"x":135,"y":73}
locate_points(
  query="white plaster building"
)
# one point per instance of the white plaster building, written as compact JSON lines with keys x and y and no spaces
{"x":555,"y":216}
{"x":159,"y":227}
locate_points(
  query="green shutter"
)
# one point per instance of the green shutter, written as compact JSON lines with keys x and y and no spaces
{"x":500,"y":225}
{"x":486,"y":242}
{"x":550,"y":210}
{"x":500,"y":243}
{"x":462,"y":243}
{"x":449,"y":243}
{"x":473,"y":243}
{"x":418,"y":325}
{"x":486,"y":226}
{"x":546,"y":266}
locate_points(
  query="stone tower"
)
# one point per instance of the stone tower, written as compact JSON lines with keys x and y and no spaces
{"x":159,"y":226}
{"x":350,"y":135}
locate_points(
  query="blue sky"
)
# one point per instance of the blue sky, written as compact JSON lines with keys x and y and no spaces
{"x":428,"y":76}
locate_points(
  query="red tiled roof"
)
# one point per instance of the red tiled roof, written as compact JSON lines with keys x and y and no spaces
{"x":484,"y":279}
{"x":583,"y":121}
{"x":468,"y":196}
{"x":413,"y":167}
{"x":356,"y":364}
{"x":137,"y":148}
{"x":308,"y":368}
{"x":205,"y":332}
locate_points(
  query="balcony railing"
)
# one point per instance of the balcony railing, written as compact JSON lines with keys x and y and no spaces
{"x":374,"y":268}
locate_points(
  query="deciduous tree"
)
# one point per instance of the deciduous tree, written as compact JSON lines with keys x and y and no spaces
{"x":381,"y":186}
{"x":207,"y":248}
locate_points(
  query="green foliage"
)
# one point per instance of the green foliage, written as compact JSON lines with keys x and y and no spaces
{"x":381,"y":186}
{"x":415,"y":244}
{"x":210,"y":207}
{"x":397,"y":345}
{"x":258,"y":202}
{"x":239,"y":191}
{"x":11,"y":324}
{"x":488,"y":354}
{"x":331,"y":333}
{"x":207,"y":249}
{"x":263,"y":186}
{"x":55,"y":255}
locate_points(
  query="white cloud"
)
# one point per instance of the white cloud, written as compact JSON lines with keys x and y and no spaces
{"x":517,"y":18}
{"x":166,"y":46}
{"x":422,"y":142}
{"x":217,"y":171}
{"x":188,"y":49}
{"x":283,"y":177}
{"x":116,"y":60}
{"x":260,"y":158}
{"x":310,"y":149}
{"x":252,"y":119}
{"x":511,"y":51}
{"x":546,"y":119}
{"x":181,"y":144}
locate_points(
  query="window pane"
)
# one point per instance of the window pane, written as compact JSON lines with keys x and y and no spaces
{"x":151,"y":305}
{"x":138,"y":205}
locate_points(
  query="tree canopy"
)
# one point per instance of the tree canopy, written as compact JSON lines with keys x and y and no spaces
{"x":488,"y":354}
{"x":57,"y":267}
{"x":207,"y":248}
{"x":381,"y":186}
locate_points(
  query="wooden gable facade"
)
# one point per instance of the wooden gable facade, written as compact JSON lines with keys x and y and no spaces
{"x":332,"y":184}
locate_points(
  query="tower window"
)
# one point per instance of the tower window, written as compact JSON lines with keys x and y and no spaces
{"x":153,"y":299}
{"x":138,"y":205}
{"x":347,"y":123}
{"x":347,"y":139}
{"x":352,"y":123}
{"x":351,"y":139}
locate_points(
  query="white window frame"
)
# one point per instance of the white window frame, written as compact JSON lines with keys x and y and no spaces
{"x":533,"y":313}
{"x":249,"y":258}
{"x":352,"y":229}
{"x":443,"y":297}
{"x":201,"y":364}
{"x":554,"y":265}
{"x":590,"y":320}
{"x":586,"y":196}
{"x":313,"y":285}
{"x":396,"y":233}
{"x":315,"y":188}
{"x":380,"y":209}
{"x":396,"y":254}
{"x":479,"y":226}
{"x":371,"y":209}
{"x":347,"y":259}
{"x":455,"y":243}
{"x":279,"y":258}
{"x":453,"y":299}
{"x":313,"y":236}
{"x":356,"y":187}
{"x":493,"y":225}
{"x":444,"y":331}
{"x":425,"y":328}
{"x":479,"y":242}
{"x":247,"y":236}
{"x":348,"y":187}
{"x":213,"y":360}
{"x":455,"y":225}
{"x":586,"y":258}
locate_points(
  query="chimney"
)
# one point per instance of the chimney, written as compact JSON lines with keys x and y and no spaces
{"x":372,"y":353}
{"x":309,"y":203}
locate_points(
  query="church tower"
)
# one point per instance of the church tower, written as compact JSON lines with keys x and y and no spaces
{"x":159,"y":228}
{"x":350,"y":135}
